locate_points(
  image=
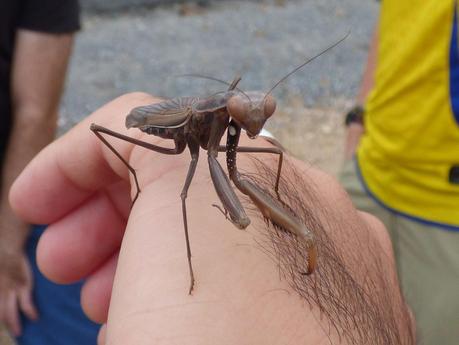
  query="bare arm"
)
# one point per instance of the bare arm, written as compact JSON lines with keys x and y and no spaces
{"x":39,"y":66}
{"x":356,"y":130}
{"x":353,"y":297}
{"x":368,"y":74}
{"x":37,"y":78}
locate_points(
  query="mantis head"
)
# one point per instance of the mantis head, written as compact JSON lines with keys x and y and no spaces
{"x":251,"y":112}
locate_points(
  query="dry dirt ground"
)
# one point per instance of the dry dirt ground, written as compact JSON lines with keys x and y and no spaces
{"x":312,"y":134}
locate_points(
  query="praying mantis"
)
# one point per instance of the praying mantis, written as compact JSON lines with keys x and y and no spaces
{"x":201,"y":122}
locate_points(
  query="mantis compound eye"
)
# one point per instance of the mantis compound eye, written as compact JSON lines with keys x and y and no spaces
{"x":269,"y":106}
{"x":238,"y":108}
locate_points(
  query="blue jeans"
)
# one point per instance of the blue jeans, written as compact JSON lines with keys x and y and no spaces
{"x":61,"y":321}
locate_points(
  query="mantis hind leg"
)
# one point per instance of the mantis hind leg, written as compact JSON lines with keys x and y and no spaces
{"x":99,"y":129}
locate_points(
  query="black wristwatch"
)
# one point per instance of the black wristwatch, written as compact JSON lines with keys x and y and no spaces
{"x":355,"y":115}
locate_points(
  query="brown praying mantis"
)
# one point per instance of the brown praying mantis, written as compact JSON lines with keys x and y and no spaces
{"x":201,"y":122}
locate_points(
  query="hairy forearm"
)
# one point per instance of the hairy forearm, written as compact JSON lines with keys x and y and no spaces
{"x":352,"y":298}
{"x":355,"y":287}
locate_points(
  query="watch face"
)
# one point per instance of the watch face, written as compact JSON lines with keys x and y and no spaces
{"x":454,"y":174}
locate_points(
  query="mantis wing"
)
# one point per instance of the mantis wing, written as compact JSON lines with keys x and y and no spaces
{"x":171,"y":113}
{"x":213,"y":103}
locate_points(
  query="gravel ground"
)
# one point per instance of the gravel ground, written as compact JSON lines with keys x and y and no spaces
{"x":143,"y":49}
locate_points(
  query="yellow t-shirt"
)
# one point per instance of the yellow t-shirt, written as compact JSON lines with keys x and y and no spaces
{"x":412,"y":113}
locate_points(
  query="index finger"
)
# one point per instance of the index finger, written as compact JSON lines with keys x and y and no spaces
{"x":72,"y":168}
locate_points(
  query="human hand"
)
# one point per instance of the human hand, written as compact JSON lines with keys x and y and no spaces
{"x":238,"y":298}
{"x":16,"y":281}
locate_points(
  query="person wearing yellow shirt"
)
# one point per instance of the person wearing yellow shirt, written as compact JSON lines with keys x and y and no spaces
{"x":406,"y":146}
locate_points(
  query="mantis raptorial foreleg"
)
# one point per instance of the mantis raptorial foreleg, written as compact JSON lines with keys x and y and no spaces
{"x":273,"y":150}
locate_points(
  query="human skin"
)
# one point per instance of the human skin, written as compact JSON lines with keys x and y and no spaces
{"x":37,"y":77}
{"x":355,"y":130}
{"x":81,"y":189}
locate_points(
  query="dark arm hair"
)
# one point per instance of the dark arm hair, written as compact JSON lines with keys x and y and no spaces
{"x":355,"y":285}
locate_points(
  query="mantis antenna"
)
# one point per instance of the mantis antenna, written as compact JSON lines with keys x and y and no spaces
{"x":308,"y":61}
{"x":214,"y":79}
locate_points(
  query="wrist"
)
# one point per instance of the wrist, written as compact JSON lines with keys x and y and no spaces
{"x":354,"y":132}
{"x":13,"y":231}
{"x":12,"y":242}
{"x":354,"y":116}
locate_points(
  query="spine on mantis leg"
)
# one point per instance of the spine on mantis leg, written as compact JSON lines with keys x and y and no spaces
{"x":269,"y":207}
